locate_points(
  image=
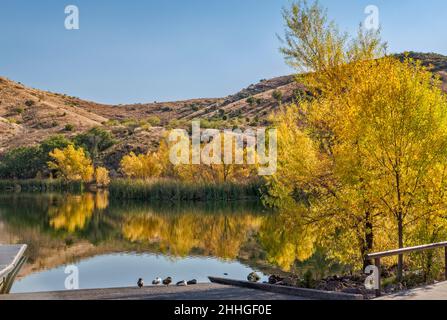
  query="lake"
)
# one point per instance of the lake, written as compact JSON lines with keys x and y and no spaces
{"x":113,"y":243}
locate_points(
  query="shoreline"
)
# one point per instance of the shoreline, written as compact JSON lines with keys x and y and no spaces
{"x":143,"y":190}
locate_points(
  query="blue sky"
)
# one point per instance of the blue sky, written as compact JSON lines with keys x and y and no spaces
{"x":160,"y":50}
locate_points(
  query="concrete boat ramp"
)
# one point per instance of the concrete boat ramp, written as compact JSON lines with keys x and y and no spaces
{"x":218,"y":289}
{"x":436,"y":291}
{"x":213,"y":291}
{"x":210,"y":291}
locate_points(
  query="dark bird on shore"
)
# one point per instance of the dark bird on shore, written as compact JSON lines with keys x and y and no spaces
{"x":182,"y":283}
{"x":167,"y":281}
{"x":192,"y":282}
{"x":140,"y":283}
{"x":253,"y":277}
{"x":157,"y":281}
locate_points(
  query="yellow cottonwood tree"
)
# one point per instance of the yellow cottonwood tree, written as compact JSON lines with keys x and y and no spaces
{"x":379,"y":126}
{"x":72,"y":164}
{"x":399,"y":132}
{"x":102,"y":178}
{"x":143,"y":166}
{"x":228,"y":169}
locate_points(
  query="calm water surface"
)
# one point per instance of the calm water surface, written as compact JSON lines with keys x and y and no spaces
{"x":114,"y":243}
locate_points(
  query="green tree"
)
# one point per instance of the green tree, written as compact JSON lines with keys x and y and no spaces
{"x":54,"y":142}
{"x":277,"y":95}
{"x":95,"y":141}
{"x":251,"y":101}
{"x":21,"y":163}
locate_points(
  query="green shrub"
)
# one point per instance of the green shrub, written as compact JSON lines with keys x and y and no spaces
{"x":54,"y":142}
{"x":111,"y":123}
{"x":29,"y":103}
{"x":69,"y":127}
{"x":18,"y":110}
{"x":95,"y":141}
{"x":251,"y":101}
{"x":154,"y":121}
{"x":21,"y":163}
{"x":27,"y":162}
{"x":277,"y":95}
{"x":178,"y":124}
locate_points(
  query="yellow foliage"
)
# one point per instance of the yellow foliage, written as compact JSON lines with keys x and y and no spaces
{"x":73,"y":214}
{"x":369,"y":151}
{"x":224,"y":171}
{"x":286,"y":240}
{"x":216,"y":235}
{"x":102,"y":177}
{"x":379,"y":157}
{"x":143,"y":166}
{"x":72,"y":164}
{"x":298,"y":160}
{"x":101,"y":200}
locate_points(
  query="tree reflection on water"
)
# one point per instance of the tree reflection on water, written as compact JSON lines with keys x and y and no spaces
{"x":90,"y":224}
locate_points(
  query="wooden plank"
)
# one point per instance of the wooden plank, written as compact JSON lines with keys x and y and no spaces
{"x":406,"y":250}
{"x":10,"y":256}
{"x":293,"y":291}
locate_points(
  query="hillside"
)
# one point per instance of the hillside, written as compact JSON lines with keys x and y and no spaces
{"x":28,"y":116}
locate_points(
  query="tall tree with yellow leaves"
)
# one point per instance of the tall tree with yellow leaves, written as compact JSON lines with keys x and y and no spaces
{"x":72,"y":164}
{"x":379,"y":126}
{"x":233,"y":163}
{"x":143,"y":166}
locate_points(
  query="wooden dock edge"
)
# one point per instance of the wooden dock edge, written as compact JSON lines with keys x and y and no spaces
{"x":300,"y":292}
{"x":9,"y":271}
{"x":13,"y":264}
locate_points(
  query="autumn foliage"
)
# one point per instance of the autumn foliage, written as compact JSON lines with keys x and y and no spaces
{"x":368,"y":153}
{"x":143,"y":166}
{"x":72,"y":164}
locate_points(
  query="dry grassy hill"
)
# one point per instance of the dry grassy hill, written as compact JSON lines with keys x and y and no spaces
{"x":28,"y":116}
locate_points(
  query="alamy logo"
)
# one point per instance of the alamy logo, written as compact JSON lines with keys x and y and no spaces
{"x":372,"y":21}
{"x":72,"y":280}
{"x":228,"y":147}
{"x":72,"y":18}
{"x":372,"y":281}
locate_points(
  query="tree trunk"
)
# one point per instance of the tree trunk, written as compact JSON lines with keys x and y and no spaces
{"x":400,"y":261}
{"x":369,"y":240}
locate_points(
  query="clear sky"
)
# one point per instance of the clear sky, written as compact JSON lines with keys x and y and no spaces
{"x":159,"y":50}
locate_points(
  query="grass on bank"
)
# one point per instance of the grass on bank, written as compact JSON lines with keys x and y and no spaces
{"x":176,"y":190}
{"x":40,"y":185}
{"x":156,"y":190}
